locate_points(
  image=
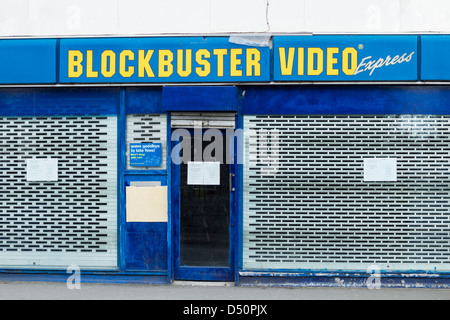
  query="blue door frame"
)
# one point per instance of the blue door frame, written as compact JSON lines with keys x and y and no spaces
{"x":197,"y":273}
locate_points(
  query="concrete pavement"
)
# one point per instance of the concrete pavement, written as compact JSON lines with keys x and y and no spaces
{"x":185,"y":291}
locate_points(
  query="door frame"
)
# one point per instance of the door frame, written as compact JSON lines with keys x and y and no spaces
{"x":193,"y":273}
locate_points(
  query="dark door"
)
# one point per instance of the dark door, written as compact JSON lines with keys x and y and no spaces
{"x":203,"y":206}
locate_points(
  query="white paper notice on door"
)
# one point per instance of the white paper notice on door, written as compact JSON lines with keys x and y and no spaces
{"x":211,"y":173}
{"x":203,"y":173}
{"x":380,"y":169}
{"x":42,"y":169}
{"x":195,"y":173}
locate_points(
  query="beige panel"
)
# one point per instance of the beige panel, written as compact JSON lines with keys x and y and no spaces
{"x":146,"y":204}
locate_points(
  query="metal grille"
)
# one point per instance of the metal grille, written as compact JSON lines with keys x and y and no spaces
{"x":147,"y":128}
{"x":306,"y":204}
{"x":205,"y":120}
{"x":72,"y":221}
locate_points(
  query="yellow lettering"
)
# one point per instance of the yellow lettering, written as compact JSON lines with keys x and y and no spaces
{"x":108,"y":63}
{"x":286,"y":66}
{"x":312,"y":53}
{"x":144,"y":64}
{"x":90,"y":73}
{"x":74,"y":63}
{"x":349,"y":55}
{"x":220,"y":53}
{"x":331,"y":61}
{"x":301,"y":62}
{"x":165,"y":68}
{"x":199,"y":57}
{"x":184,"y":72}
{"x":235,"y":62}
{"x":124,"y":56}
{"x":253,"y":59}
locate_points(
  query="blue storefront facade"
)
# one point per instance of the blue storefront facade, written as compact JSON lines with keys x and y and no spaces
{"x":335,"y":165}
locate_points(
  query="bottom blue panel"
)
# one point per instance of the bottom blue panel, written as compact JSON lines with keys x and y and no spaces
{"x":85,"y":277}
{"x":347,"y":280}
{"x":204,"y":274}
{"x":146,"y":246}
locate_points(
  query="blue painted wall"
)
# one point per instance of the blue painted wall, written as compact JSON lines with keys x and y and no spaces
{"x":144,"y":245}
{"x":140,"y":100}
{"x":200,"y":98}
{"x":346,"y":99}
{"x":58,"y":101}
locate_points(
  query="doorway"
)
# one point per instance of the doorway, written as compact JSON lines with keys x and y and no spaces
{"x":203,"y":204}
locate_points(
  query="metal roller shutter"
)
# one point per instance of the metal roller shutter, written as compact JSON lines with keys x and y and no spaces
{"x":315,"y":211}
{"x":203,"y":119}
{"x":72,"y":221}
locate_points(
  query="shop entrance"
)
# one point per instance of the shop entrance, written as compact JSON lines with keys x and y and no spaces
{"x":203,"y":203}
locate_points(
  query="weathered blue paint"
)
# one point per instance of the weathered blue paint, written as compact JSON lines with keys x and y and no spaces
{"x":343,"y":279}
{"x":32,"y":102}
{"x":146,"y":246}
{"x":121,"y":145}
{"x":346,"y":99}
{"x":143,"y":100}
{"x":170,"y":230}
{"x":200,"y":98}
{"x":239,"y":205}
{"x":203,"y":274}
{"x":175,"y":214}
{"x":86,"y":276}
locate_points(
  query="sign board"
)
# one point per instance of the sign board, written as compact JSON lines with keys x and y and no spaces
{"x":28,"y":61}
{"x":295,"y":58}
{"x":145,"y":154}
{"x":345,"y":58}
{"x":163,"y":60}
